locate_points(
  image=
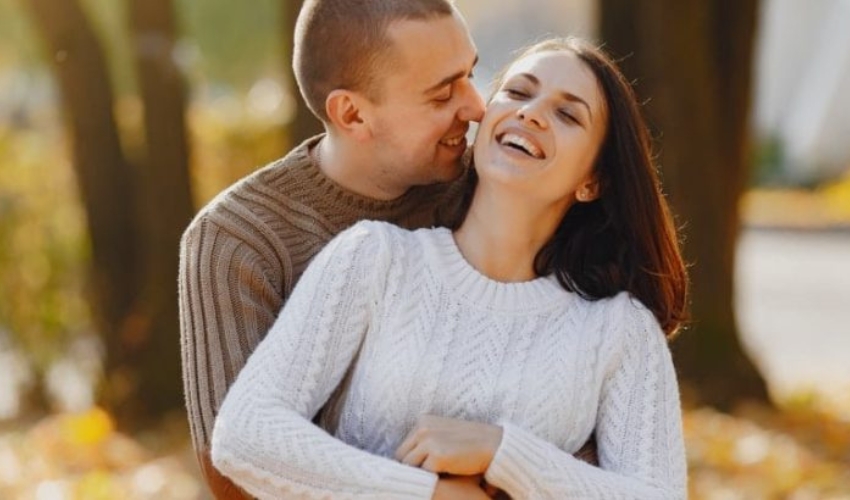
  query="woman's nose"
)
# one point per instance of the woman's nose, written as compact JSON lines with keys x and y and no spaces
{"x":532,"y":113}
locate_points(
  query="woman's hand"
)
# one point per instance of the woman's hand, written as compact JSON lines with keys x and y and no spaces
{"x":449,"y":445}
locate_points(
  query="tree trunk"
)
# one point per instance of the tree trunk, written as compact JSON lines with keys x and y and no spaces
{"x":692,"y":63}
{"x":104,"y":177}
{"x":149,"y":359}
{"x":304,"y":124}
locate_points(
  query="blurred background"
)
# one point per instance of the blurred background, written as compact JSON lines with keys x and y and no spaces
{"x":120,"y":119}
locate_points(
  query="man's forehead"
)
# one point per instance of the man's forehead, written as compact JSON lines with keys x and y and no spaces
{"x":438,"y":46}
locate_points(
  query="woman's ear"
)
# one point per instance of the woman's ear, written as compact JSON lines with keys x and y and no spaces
{"x":345,"y":112}
{"x":588,"y":191}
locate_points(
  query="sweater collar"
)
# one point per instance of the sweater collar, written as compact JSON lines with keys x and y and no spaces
{"x":470,"y":284}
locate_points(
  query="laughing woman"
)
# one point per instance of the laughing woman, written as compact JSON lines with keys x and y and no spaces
{"x":454,"y":361}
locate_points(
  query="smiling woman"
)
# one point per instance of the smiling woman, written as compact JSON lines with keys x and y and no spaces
{"x":540,"y":136}
{"x":480,"y":359}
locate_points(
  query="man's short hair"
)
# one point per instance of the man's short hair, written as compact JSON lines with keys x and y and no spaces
{"x":343,"y":44}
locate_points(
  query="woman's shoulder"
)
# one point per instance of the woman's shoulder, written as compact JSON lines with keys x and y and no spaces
{"x":621,"y":303}
{"x":381,"y":238}
{"x":390,"y":231}
{"x":624,"y":312}
{"x":632,"y":322}
{"x":368,"y":228}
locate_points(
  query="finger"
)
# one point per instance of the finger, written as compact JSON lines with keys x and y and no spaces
{"x":407,"y":445}
{"x":415,"y":457}
{"x":432,"y":465}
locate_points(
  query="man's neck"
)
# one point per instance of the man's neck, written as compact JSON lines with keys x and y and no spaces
{"x":354,"y":171}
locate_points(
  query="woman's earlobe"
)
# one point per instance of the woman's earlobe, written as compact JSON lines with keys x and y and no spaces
{"x":588,"y":192}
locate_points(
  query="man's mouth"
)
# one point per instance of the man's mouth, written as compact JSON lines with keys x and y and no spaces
{"x":521,"y":144}
{"x":453,"y":142}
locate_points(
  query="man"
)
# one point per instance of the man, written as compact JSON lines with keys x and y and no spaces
{"x":391,"y":81}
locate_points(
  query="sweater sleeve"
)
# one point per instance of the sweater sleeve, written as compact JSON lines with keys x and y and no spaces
{"x":638,"y":429}
{"x":229,"y":296}
{"x":263,"y":436}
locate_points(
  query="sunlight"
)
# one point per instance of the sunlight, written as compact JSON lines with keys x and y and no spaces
{"x":15,"y":377}
{"x":10,"y":465}
{"x":266,"y":99}
{"x":149,"y":479}
{"x":52,"y":490}
{"x":71,"y":380}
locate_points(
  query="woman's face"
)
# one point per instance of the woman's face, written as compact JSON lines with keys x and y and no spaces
{"x":543,"y":128}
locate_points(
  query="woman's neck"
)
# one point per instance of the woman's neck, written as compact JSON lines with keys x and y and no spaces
{"x":501,"y":235}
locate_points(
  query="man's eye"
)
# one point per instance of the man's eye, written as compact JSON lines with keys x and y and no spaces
{"x":443,"y":98}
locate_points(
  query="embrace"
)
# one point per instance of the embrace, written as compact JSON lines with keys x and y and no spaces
{"x":387,"y":312}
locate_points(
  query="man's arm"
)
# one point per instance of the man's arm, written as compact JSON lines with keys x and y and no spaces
{"x":229,"y":298}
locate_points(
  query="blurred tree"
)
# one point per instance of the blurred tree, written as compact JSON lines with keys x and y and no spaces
{"x":303,"y":124}
{"x":135,"y":215}
{"x":692,"y":61}
{"x":149,"y":358}
{"x":104,"y":177}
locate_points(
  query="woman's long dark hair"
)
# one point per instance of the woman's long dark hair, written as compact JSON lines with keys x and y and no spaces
{"x":625,"y":240}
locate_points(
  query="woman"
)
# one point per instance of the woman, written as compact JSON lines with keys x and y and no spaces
{"x":494,"y":349}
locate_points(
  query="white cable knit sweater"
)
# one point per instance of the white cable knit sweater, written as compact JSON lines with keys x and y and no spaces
{"x":387,"y":325}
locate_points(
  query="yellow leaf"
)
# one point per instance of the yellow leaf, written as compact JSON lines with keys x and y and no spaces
{"x":88,"y":428}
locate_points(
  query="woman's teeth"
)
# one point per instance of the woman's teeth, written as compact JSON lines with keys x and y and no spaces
{"x":522,"y":144}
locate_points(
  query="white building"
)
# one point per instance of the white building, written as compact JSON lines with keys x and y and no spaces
{"x":802,"y":90}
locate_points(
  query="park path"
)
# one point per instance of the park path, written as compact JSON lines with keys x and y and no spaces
{"x":793,"y":303}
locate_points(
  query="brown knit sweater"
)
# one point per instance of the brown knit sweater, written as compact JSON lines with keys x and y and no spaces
{"x":243,"y":253}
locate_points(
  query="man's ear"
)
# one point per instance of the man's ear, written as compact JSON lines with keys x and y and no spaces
{"x":588,"y":190}
{"x":345,"y":112}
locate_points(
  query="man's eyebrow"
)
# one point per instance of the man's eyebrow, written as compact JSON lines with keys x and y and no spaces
{"x":565,"y":95}
{"x":451,"y":78}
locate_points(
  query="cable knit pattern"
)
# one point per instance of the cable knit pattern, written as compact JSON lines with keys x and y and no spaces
{"x":244,"y":252}
{"x":387,"y":325}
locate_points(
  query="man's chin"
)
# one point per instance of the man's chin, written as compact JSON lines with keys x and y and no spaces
{"x":450,"y":171}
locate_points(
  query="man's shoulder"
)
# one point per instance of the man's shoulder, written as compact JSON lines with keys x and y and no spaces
{"x":268,"y":179}
{"x":265,"y":187}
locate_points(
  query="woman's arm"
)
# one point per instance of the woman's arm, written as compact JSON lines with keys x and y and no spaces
{"x":639,"y":431}
{"x":263,"y":437}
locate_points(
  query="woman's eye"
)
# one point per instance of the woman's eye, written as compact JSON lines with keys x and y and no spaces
{"x":516,"y":94}
{"x":567,"y":116}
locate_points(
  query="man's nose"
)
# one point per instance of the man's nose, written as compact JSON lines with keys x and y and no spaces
{"x":472,"y":107}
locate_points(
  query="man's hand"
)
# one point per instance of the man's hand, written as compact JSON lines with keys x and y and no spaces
{"x":460,"y":488}
{"x":449,"y":445}
{"x":222,"y":488}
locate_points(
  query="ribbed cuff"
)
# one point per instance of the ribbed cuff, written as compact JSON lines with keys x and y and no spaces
{"x":413,"y":483}
{"x":517,"y":454}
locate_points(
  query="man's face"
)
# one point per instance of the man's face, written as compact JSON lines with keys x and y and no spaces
{"x":426,"y":102}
